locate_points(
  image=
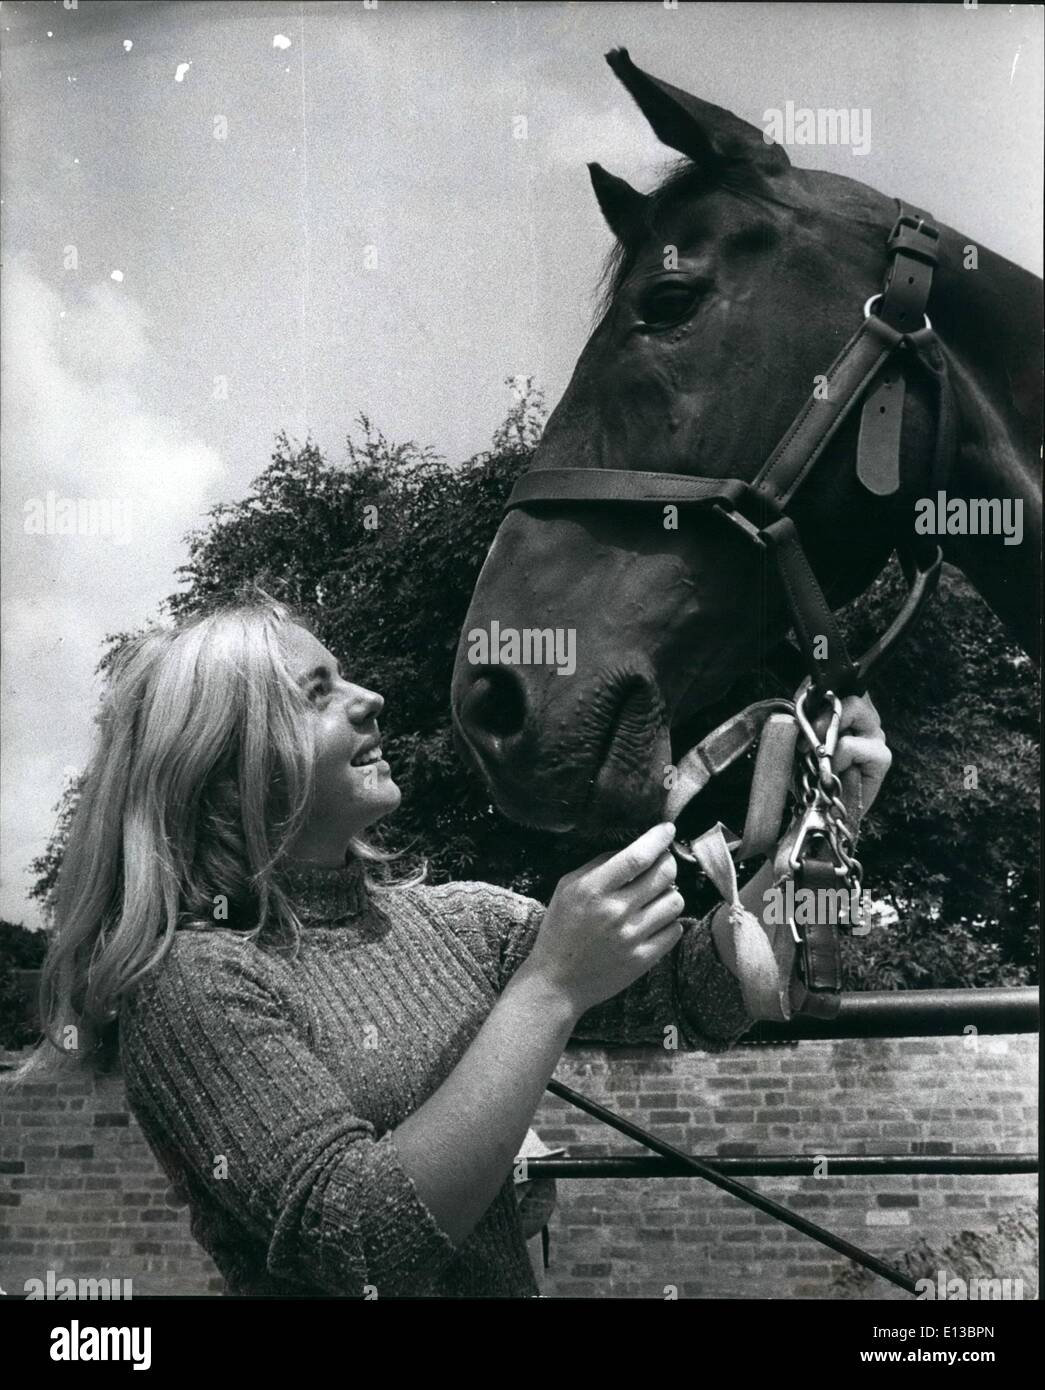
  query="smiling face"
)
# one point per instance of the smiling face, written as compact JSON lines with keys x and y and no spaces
{"x":353,"y":784}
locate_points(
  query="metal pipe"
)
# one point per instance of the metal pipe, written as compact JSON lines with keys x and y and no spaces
{"x":736,"y":1189}
{"x":787,"y":1165}
{"x":913,"y":1013}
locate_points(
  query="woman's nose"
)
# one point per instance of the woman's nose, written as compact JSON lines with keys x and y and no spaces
{"x":365,"y":704}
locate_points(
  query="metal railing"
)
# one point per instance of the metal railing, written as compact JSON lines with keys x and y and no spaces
{"x":960,"y":1013}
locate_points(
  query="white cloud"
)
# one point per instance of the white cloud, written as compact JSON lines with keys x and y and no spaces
{"x":73,"y":424}
{"x":617,"y":137}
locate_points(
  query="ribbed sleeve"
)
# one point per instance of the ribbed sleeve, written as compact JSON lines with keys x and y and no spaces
{"x":217,"y":1061}
{"x":689,"y":990}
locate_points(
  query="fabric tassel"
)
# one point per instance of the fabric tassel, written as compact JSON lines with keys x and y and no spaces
{"x":764,"y":985}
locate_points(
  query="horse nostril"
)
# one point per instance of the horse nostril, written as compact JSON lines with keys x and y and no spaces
{"x":495,"y":707}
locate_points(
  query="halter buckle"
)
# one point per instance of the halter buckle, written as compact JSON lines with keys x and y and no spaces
{"x":753,"y":532}
{"x":915,"y":237}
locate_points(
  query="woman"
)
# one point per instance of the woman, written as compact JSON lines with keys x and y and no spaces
{"x":338,"y":1075}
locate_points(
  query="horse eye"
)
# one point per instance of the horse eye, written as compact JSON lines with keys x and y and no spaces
{"x":668,"y":303}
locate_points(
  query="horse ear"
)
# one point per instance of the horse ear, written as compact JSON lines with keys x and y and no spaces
{"x":711,"y":136}
{"x":623,"y":207}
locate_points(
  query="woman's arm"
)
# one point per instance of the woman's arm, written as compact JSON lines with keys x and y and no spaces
{"x":459,"y":1146}
{"x":607,"y":923}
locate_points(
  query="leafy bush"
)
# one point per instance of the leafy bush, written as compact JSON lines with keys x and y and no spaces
{"x":19,"y":950}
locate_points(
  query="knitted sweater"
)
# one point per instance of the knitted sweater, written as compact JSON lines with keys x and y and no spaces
{"x":269,"y":1086}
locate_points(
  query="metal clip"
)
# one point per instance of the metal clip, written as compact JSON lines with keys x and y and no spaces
{"x":814,"y":822}
{"x":824,"y":750}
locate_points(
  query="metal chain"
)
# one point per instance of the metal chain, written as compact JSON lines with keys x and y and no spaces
{"x":820,"y":790}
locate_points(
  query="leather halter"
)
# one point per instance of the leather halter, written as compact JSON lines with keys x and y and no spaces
{"x":895,"y":334}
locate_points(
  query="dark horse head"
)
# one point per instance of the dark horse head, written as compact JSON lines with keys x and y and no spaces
{"x":595,"y":629}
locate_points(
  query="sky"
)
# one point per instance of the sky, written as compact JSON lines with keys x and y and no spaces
{"x":220,"y":221}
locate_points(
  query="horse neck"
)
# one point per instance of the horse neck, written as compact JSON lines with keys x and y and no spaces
{"x":988,"y":319}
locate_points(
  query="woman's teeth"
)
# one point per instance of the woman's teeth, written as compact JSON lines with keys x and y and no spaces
{"x":372,"y":755}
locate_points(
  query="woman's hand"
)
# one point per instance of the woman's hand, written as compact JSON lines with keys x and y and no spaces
{"x":610,"y":921}
{"x":862,"y":757}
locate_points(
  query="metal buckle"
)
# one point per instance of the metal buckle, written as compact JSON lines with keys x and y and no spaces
{"x":875,"y":299}
{"x":905,"y":235}
{"x":739,"y":520}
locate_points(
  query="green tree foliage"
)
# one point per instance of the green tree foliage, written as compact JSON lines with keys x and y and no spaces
{"x":953,"y":843}
{"x":382,"y":551}
{"x":19,"y":950}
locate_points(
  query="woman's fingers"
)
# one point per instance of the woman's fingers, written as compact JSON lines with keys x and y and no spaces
{"x":861,"y":764}
{"x":659,"y":878}
{"x":859,"y":716}
{"x":633,"y":861}
{"x":853,"y":784}
{"x":870,"y":754}
{"x":655,"y":916}
{"x":659,"y":944}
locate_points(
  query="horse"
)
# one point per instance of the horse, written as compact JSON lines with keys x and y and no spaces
{"x":730,"y":289}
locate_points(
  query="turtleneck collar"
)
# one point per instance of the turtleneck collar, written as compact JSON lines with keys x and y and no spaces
{"x":325,"y":896}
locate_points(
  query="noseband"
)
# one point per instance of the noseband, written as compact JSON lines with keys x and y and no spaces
{"x":871,"y":368}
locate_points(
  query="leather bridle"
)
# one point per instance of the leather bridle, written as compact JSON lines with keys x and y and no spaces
{"x":894,"y":336}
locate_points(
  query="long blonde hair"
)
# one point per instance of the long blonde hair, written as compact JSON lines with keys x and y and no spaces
{"x":201,"y":777}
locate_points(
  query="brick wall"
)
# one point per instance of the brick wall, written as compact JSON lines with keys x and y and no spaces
{"x":81,"y":1194}
{"x":637,"y":1237}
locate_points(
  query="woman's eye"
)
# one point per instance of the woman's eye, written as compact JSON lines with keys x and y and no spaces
{"x":666,"y":304}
